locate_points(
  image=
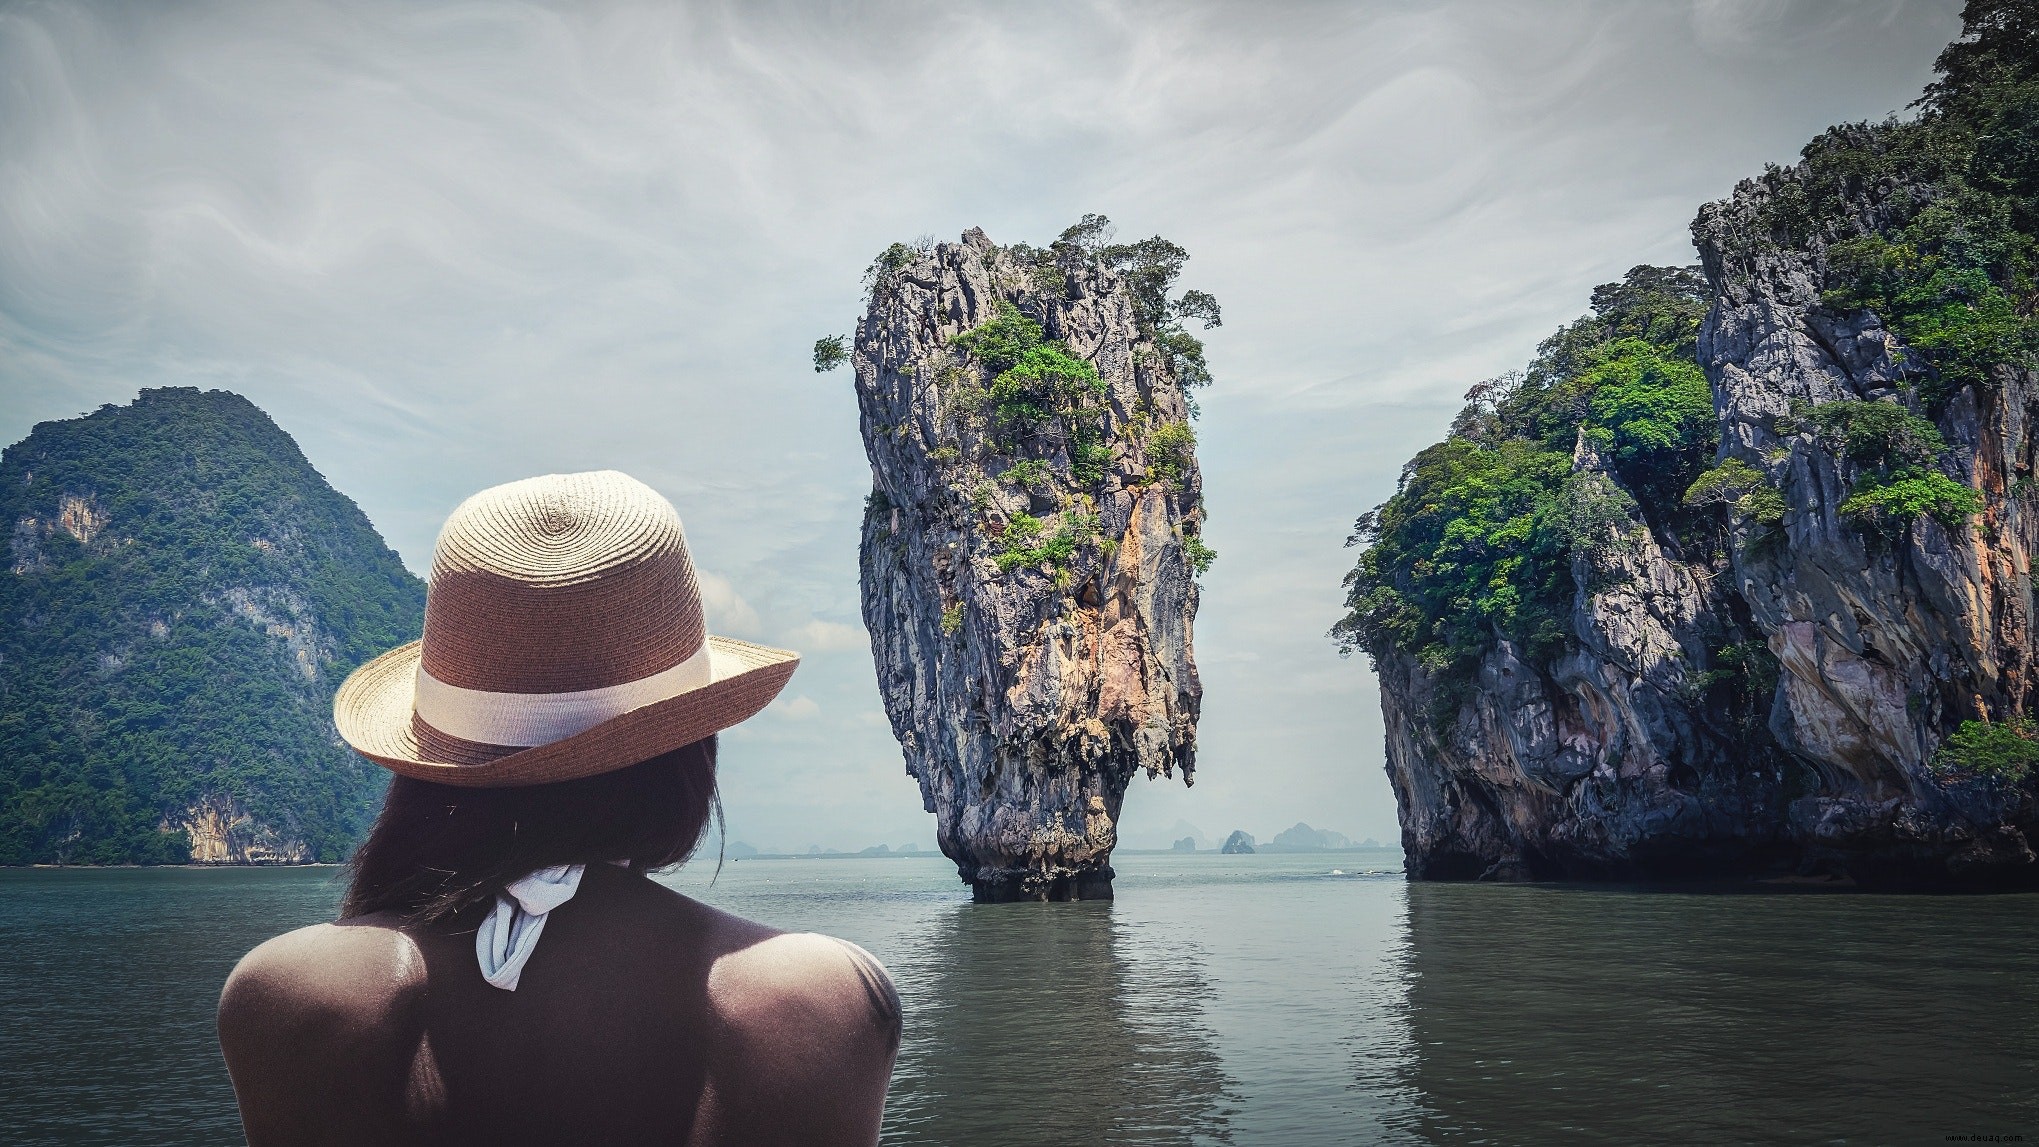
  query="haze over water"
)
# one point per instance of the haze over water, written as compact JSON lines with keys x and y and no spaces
{"x":1298,"y":999}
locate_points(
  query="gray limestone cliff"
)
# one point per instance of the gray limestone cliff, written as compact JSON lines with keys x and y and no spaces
{"x":1030,"y":545}
{"x":1884,"y":641}
{"x":1620,"y":757}
{"x":1812,"y":659}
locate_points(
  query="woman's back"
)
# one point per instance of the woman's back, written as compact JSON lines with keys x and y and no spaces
{"x":643,"y":1017}
{"x":552,"y":737}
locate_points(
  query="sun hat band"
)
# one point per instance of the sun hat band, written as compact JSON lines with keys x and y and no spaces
{"x":564,"y":637}
{"x":522,"y":720}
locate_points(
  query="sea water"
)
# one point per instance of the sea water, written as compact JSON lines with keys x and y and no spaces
{"x":1291,"y":999}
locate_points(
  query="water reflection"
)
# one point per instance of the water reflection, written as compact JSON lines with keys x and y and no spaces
{"x":1552,"y":1014}
{"x":1259,"y":999}
{"x":1054,"y":1023}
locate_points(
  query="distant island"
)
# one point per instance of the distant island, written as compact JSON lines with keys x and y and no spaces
{"x":184,"y":592}
{"x":1733,"y":579}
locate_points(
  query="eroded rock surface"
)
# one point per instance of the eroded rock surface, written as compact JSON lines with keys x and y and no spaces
{"x":1608,"y":761}
{"x":1883,"y":642}
{"x":1028,"y":578}
{"x":1617,"y":759}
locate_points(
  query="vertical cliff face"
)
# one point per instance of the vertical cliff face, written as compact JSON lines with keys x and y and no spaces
{"x":1776,"y":613}
{"x":1886,"y":638}
{"x":1029,"y":549}
{"x":1629,"y":752}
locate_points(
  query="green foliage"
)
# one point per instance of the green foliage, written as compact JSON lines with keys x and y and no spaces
{"x":1034,"y":379}
{"x":1089,"y":456}
{"x":1952,"y":314}
{"x":1650,"y":406}
{"x":1895,"y":454}
{"x":1468,"y":549}
{"x":1880,"y":434}
{"x":1742,"y":487}
{"x":1595,"y":516}
{"x":830,"y":352}
{"x":1016,"y":545}
{"x":1022,"y":543}
{"x":1046,"y":381}
{"x":894,"y":258}
{"x":1045,"y":413}
{"x":1661,"y":306}
{"x":1170,"y":451}
{"x":1653,"y":412}
{"x":1149,"y":269}
{"x":1090,"y":234}
{"x":952,"y":620}
{"x":154,"y":665}
{"x":1025,"y":474}
{"x":1895,"y":502}
{"x":1200,"y":555}
{"x":1478,"y":542}
{"x":1751,"y":668}
{"x":2007,"y":750}
{"x":1950,"y":262}
{"x":1002,"y":341}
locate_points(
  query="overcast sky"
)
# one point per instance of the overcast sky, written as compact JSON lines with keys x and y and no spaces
{"x":450,"y":245}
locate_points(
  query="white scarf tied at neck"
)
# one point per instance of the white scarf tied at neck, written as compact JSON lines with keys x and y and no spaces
{"x":510,"y":933}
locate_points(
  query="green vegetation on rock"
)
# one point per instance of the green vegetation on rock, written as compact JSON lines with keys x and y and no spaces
{"x":184,"y":594}
{"x":1952,"y":263}
{"x":1033,"y":394}
{"x":1742,"y":487}
{"x":830,"y":352}
{"x":2007,"y":750}
{"x":1034,"y":379}
{"x":1895,"y":454}
{"x":1149,"y":269}
{"x":1478,"y":542}
{"x":1169,"y":450}
{"x":1027,"y":542}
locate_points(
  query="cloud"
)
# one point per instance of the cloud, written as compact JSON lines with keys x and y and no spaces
{"x":448,"y":245}
{"x":728,"y":613}
{"x":801,"y":708}
{"x":818,"y":636}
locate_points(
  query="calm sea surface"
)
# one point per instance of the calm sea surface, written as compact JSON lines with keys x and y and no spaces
{"x":1255,"y":999}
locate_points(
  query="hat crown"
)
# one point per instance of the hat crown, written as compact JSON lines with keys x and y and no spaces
{"x":561,"y":583}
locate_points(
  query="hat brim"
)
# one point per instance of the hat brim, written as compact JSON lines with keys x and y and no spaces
{"x":373,"y":708}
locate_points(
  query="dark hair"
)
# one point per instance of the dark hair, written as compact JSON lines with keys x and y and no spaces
{"x":438,"y":849}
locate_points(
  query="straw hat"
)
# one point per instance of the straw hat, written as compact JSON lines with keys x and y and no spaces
{"x":563,"y":638}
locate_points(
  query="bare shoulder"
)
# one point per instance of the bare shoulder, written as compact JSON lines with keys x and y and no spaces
{"x":811,"y":1027}
{"x":336,"y":979}
{"x":320,"y":1027}
{"x":817,"y":984}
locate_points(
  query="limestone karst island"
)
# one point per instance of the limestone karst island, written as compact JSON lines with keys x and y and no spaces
{"x":536,"y":610}
{"x":1032,"y":539}
{"x":1734,"y":578}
